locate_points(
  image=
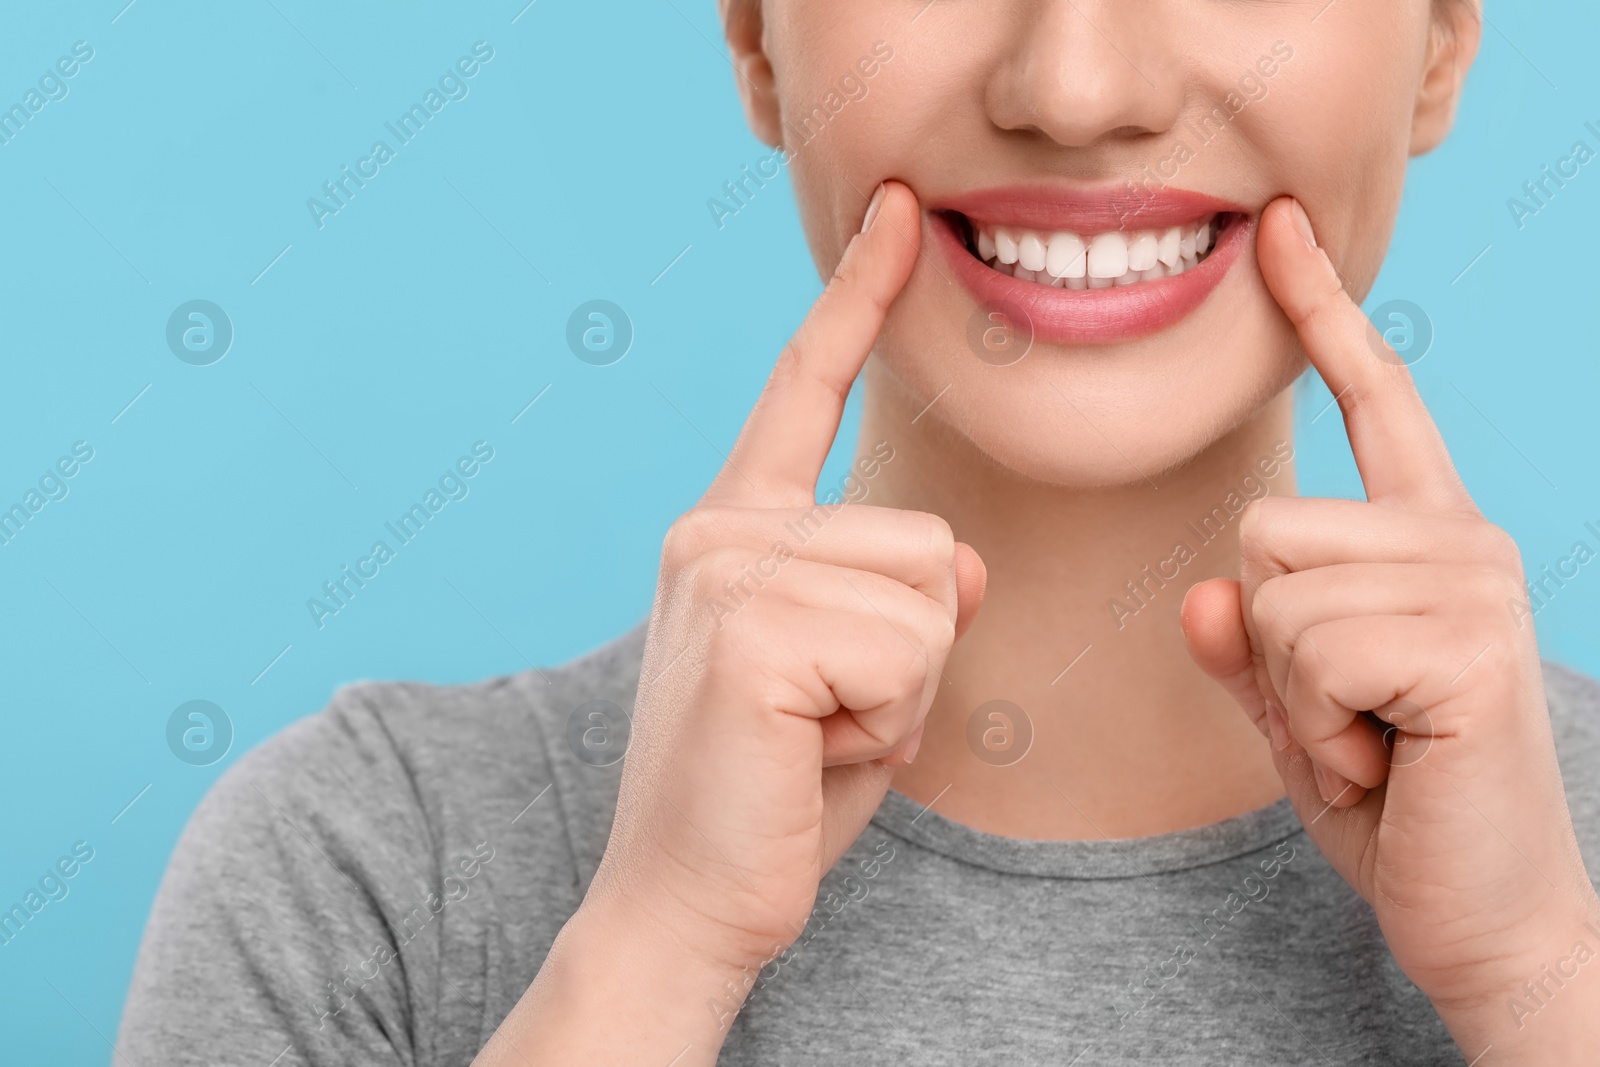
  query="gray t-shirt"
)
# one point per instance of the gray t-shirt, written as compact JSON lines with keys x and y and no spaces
{"x":379,"y":883}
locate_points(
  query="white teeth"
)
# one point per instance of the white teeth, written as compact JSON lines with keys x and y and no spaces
{"x":1067,"y":257}
{"x":1142,"y":251}
{"x":1098,"y":261}
{"x":1108,"y":255}
{"x":1005,"y":246}
{"x":1030,"y":252}
{"x":1166,"y":246}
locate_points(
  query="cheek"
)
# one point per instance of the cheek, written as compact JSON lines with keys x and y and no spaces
{"x":894,"y":126}
{"x":835,"y":174}
{"x":1339,"y":140}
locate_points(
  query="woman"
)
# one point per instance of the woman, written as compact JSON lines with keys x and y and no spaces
{"x":1082,"y":250}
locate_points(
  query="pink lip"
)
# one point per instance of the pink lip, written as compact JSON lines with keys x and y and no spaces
{"x":1091,"y":316}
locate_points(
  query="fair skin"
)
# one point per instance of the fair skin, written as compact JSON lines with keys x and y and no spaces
{"x":1385,"y":686}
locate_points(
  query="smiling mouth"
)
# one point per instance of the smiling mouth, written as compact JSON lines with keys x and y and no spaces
{"x":1090,"y":264}
{"x":1065,"y":259}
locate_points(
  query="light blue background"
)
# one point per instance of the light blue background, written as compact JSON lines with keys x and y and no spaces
{"x":375,"y":351}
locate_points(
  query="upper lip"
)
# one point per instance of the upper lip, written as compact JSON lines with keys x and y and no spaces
{"x":1085,"y":209}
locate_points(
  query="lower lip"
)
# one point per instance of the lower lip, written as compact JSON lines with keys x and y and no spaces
{"x":1095,"y":316}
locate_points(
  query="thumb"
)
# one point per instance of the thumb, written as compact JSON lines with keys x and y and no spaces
{"x":972,"y":578}
{"x":1213,"y":626}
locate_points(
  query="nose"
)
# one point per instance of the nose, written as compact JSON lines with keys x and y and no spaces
{"x":1083,"y":70}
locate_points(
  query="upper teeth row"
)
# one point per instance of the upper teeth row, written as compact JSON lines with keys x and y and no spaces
{"x":1107,"y":257}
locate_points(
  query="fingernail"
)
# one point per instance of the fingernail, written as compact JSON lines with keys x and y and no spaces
{"x":1338,"y":784}
{"x":1302,"y":222}
{"x":1278,"y":727}
{"x":914,"y":744}
{"x":872,"y":213}
{"x":1322,"y":783}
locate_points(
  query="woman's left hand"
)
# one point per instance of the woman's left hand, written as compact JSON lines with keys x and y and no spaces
{"x":1386,"y":649}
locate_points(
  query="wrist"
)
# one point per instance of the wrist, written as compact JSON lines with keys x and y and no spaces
{"x":615,"y":989}
{"x":1543,"y":1004}
{"x":692,"y":920}
{"x":689,"y":951}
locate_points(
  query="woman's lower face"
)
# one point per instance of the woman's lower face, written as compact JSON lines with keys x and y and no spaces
{"x":1091,"y":175}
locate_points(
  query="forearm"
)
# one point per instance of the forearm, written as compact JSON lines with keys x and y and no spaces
{"x":619,"y":989}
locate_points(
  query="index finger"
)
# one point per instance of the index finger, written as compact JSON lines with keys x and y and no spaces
{"x":786,"y":438}
{"x":1398,"y":449}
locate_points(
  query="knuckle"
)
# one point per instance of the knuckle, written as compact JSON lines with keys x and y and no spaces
{"x":790,"y":360}
{"x":1501,"y":548}
{"x":1266,"y":606}
{"x":747,"y":657}
{"x":854,"y":276}
{"x":1306,"y":671}
{"x":713,"y":569}
{"x":795,"y":369}
{"x":947,"y":634}
{"x":845,"y":275}
{"x":1491,"y":584}
{"x":939,"y":540}
{"x":1352,"y":399}
{"x":688,"y":536}
{"x":1255,"y":522}
{"x":1320,"y":308}
{"x":939,"y":631}
{"x":910,"y":674}
{"x":747,"y":637}
{"x":673,"y":548}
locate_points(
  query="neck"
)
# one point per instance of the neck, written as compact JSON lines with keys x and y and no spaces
{"x":1080,"y":630}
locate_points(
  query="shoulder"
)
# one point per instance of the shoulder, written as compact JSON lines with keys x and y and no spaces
{"x":529,"y":759}
{"x":1574,"y":701}
{"x":371,"y":863}
{"x":533,"y":758}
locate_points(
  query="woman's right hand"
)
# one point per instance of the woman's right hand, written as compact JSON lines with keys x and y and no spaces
{"x":770,"y":716}
{"x":793,"y":651}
